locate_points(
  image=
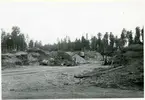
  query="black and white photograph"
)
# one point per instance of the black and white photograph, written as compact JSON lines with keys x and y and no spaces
{"x":72,"y":49}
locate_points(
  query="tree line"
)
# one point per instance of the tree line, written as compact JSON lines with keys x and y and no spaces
{"x":16,"y":41}
{"x":13,"y":41}
{"x":105,"y":44}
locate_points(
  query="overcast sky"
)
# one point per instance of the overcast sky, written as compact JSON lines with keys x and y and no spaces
{"x":47,"y":21}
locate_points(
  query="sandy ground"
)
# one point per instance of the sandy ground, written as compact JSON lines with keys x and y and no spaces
{"x":43,"y":82}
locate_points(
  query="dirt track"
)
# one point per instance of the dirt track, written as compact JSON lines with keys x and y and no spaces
{"x":42,"y":82}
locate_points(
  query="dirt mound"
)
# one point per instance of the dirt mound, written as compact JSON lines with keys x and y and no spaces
{"x":10,"y":60}
{"x":94,"y":55}
{"x":36,"y":56}
{"x":23,"y":56}
{"x":120,"y":77}
{"x":32,"y":58}
{"x":63,"y":58}
{"x":78,"y":59}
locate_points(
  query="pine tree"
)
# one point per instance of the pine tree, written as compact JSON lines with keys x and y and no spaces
{"x":94,"y":43}
{"x":14,"y":34}
{"x":137,"y":35}
{"x":123,"y":38}
{"x":112,"y":41}
{"x":83,"y":41}
{"x":105,"y":40}
{"x":99,"y":42}
{"x":117,"y":42}
{"x":130,"y":38}
{"x":31,"y":44}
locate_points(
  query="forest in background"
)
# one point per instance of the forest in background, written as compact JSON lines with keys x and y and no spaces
{"x":108,"y":43}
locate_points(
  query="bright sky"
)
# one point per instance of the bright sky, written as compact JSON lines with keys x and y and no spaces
{"x":47,"y":21}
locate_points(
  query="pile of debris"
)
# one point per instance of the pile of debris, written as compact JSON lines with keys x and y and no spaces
{"x":57,"y":58}
{"x":93,"y":55}
{"x":78,"y":59}
{"x":36,"y":56}
{"x":10,"y":60}
{"x":61,"y":58}
{"x":33,"y":58}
